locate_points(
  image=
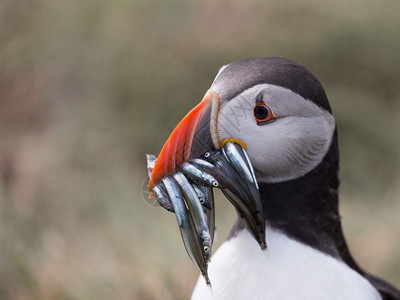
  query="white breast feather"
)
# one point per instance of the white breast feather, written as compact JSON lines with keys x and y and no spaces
{"x":286,"y":270}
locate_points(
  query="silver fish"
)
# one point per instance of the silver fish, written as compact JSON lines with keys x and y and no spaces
{"x":151,"y":161}
{"x":234,"y":154}
{"x":189,"y":194}
{"x":196,"y":211}
{"x":201,"y":191}
{"x":187,"y":227}
{"x":238,"y":158}
{"x":158,"y":190}
{"x":240,"y":189}
{"x":197,"y":174}
{"x":162,"y":197}
{"x":210,"y":212}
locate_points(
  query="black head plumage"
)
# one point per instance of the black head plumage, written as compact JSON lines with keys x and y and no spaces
{"x":241,"y":75}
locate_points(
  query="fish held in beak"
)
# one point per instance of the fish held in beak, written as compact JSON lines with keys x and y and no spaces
{"x":189,"y":194}
{"x":236,"y":178}
{"x":187,"y":226}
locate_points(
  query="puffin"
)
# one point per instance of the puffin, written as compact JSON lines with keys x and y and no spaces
{"x":278,"y":110}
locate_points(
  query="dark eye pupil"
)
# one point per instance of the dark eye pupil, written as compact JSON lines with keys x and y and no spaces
{"x":261,"y":112}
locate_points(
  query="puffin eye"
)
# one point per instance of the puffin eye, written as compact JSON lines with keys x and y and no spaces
{"x":262,"y":113}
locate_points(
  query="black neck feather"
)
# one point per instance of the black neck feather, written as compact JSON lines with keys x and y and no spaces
{"x":306,"y":208}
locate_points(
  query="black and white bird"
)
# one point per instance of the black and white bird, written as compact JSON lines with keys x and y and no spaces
{"x":279,"y":111}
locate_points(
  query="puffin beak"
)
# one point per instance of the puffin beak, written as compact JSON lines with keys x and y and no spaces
{"x":228,"y":168}
{"x":190,"y":139}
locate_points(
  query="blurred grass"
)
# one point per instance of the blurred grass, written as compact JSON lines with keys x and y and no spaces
{"x":88,"y":87}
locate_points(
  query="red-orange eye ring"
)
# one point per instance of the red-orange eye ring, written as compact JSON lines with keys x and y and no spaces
{"x":262,"y":112}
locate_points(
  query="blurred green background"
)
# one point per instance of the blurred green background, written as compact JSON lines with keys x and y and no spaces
{"x":88,"y":87}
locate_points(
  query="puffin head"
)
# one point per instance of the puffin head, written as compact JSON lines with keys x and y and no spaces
{"x":273,"y":107}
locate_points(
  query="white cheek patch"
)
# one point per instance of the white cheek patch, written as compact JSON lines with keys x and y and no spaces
{"x":293,"y":147}
{"x":287,"y":148}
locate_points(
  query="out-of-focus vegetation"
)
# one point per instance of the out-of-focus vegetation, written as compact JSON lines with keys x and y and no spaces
{"x":88,"y":87}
